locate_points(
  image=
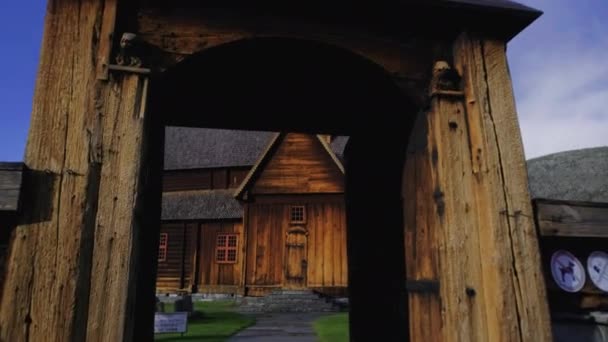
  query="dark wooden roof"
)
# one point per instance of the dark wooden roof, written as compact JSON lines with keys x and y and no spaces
{"x":190,"y":148}
{"x":501,"y":18}
{"x":505,"y":5}
{"x":10,"y":185}
{"x":201,"y":205}
{"x":579,"y":175}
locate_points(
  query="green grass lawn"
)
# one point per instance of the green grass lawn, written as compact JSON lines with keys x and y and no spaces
{"x":332,"y":328}
{"x":216,"y":323}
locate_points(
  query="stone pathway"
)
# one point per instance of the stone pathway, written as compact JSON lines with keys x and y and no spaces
{"x":280,"y":327}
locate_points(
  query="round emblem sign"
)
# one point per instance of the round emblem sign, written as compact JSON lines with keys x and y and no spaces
{"x":597,"y":266}
{"x":567,"y":271}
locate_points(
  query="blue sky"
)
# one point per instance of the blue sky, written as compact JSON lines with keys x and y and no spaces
{"x":559,"y":67}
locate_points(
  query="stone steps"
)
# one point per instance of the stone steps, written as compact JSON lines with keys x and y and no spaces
{"x":288,"y":301}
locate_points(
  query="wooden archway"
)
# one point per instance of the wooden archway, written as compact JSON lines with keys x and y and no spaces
{"x":81,"y":258}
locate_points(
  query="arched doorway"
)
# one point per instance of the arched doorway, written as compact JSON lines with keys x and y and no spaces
{"x":82,"y":250}
{"x":282,"y":84}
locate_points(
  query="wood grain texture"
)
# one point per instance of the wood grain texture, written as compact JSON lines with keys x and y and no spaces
{"x":10,"y":189}
{"x":529,"y":286}
{"x":215,"y":275}
{"x":488,"y":198}
{"x":572,"y":219}
{"x":421,"y":236}
{"x":299,"y":165}
{"x":268,"y":260}
{"x":106,"y":38}
{"x":182,"y":33}
{"x":174,"y":273}
{"x":477,"y":238}
{"x":46,"y":292}
{"x":119,"y":213}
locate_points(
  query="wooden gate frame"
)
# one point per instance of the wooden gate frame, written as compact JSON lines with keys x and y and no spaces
{"x":77,"y":267}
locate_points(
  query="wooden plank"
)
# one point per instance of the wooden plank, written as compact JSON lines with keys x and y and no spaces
{"x":177,"y":180}
{"x":312,"y":245}
{"x":236,"y":177}
{"x":337,"y":239}
{"x":183,"y":33}
{"x":251,"y":228}
{"x":421,"y":239}
{"x":106,"y":38}
{"x":168,"y":271}
{"x":326,"y":243}
{"x":529,"y":284}
{"x":508,"y":299}
{"x":10,"y":189}
{"x":113,"y":268}
{"x":458,"y":270}
{"x":319,"y":243}
{"x":571,"y":219}
{"x":220,"y":179}
{"x":344,"y":273}
{"x":47,"y":283}
{"x":300,"y":164}
{"x":488,"y":197}
{"x":237,"y":269}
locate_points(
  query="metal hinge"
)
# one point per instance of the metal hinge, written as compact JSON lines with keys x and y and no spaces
{"x":422,"y":286}
{"x":129,"y":69}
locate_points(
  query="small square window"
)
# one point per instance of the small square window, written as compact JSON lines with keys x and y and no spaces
{"x":225,"y":248}
{"x":297,"y":214}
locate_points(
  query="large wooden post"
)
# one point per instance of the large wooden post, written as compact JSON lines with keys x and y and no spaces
{"x":478,"y":238}
{"x":72,"y":273}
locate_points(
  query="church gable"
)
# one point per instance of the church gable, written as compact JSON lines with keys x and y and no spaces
{"x":299,"y":163}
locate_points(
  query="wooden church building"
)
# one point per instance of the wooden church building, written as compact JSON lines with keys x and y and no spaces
{"x":251,"y":212}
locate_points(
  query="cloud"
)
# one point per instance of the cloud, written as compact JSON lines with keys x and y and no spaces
{"x":560,"y":75}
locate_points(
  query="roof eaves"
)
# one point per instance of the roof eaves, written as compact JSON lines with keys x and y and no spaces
{"x":258,"y":165}
{"x":331,"y":153}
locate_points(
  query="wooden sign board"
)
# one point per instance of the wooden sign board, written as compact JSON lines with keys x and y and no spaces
{"x":573,"y":238}
{"x":173,"y":322}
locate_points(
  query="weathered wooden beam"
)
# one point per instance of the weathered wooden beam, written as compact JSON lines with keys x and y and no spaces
{"x":572,"y":219}
{"x":11,"y":175}
{"x":106,"y":39}
{"x":477,"y":239}
{"x":72,"y":272}
{"x":511,"y":295}
{"x":45,"y":297}
{"x":119,"y":217}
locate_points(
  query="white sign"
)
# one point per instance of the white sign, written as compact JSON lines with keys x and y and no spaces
{"x":597,"y":266}
{"x":174,"y":322}
{"x":567,"y":271}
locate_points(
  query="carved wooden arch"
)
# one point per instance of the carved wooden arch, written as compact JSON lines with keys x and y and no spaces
{"x":188,"y":35}
{"x":87,"y":280}
{"x":340,"y":77}
{"x":297,"y":230}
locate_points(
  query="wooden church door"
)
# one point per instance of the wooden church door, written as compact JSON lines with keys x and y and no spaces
{"x":296,"y":262}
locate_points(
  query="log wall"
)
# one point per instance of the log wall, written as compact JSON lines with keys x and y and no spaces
{"x":268,"y":224}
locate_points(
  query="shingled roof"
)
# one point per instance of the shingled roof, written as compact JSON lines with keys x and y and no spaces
{"x":200,"y":205}
{"x":579,"y":175}
{"x":192,"y":148}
